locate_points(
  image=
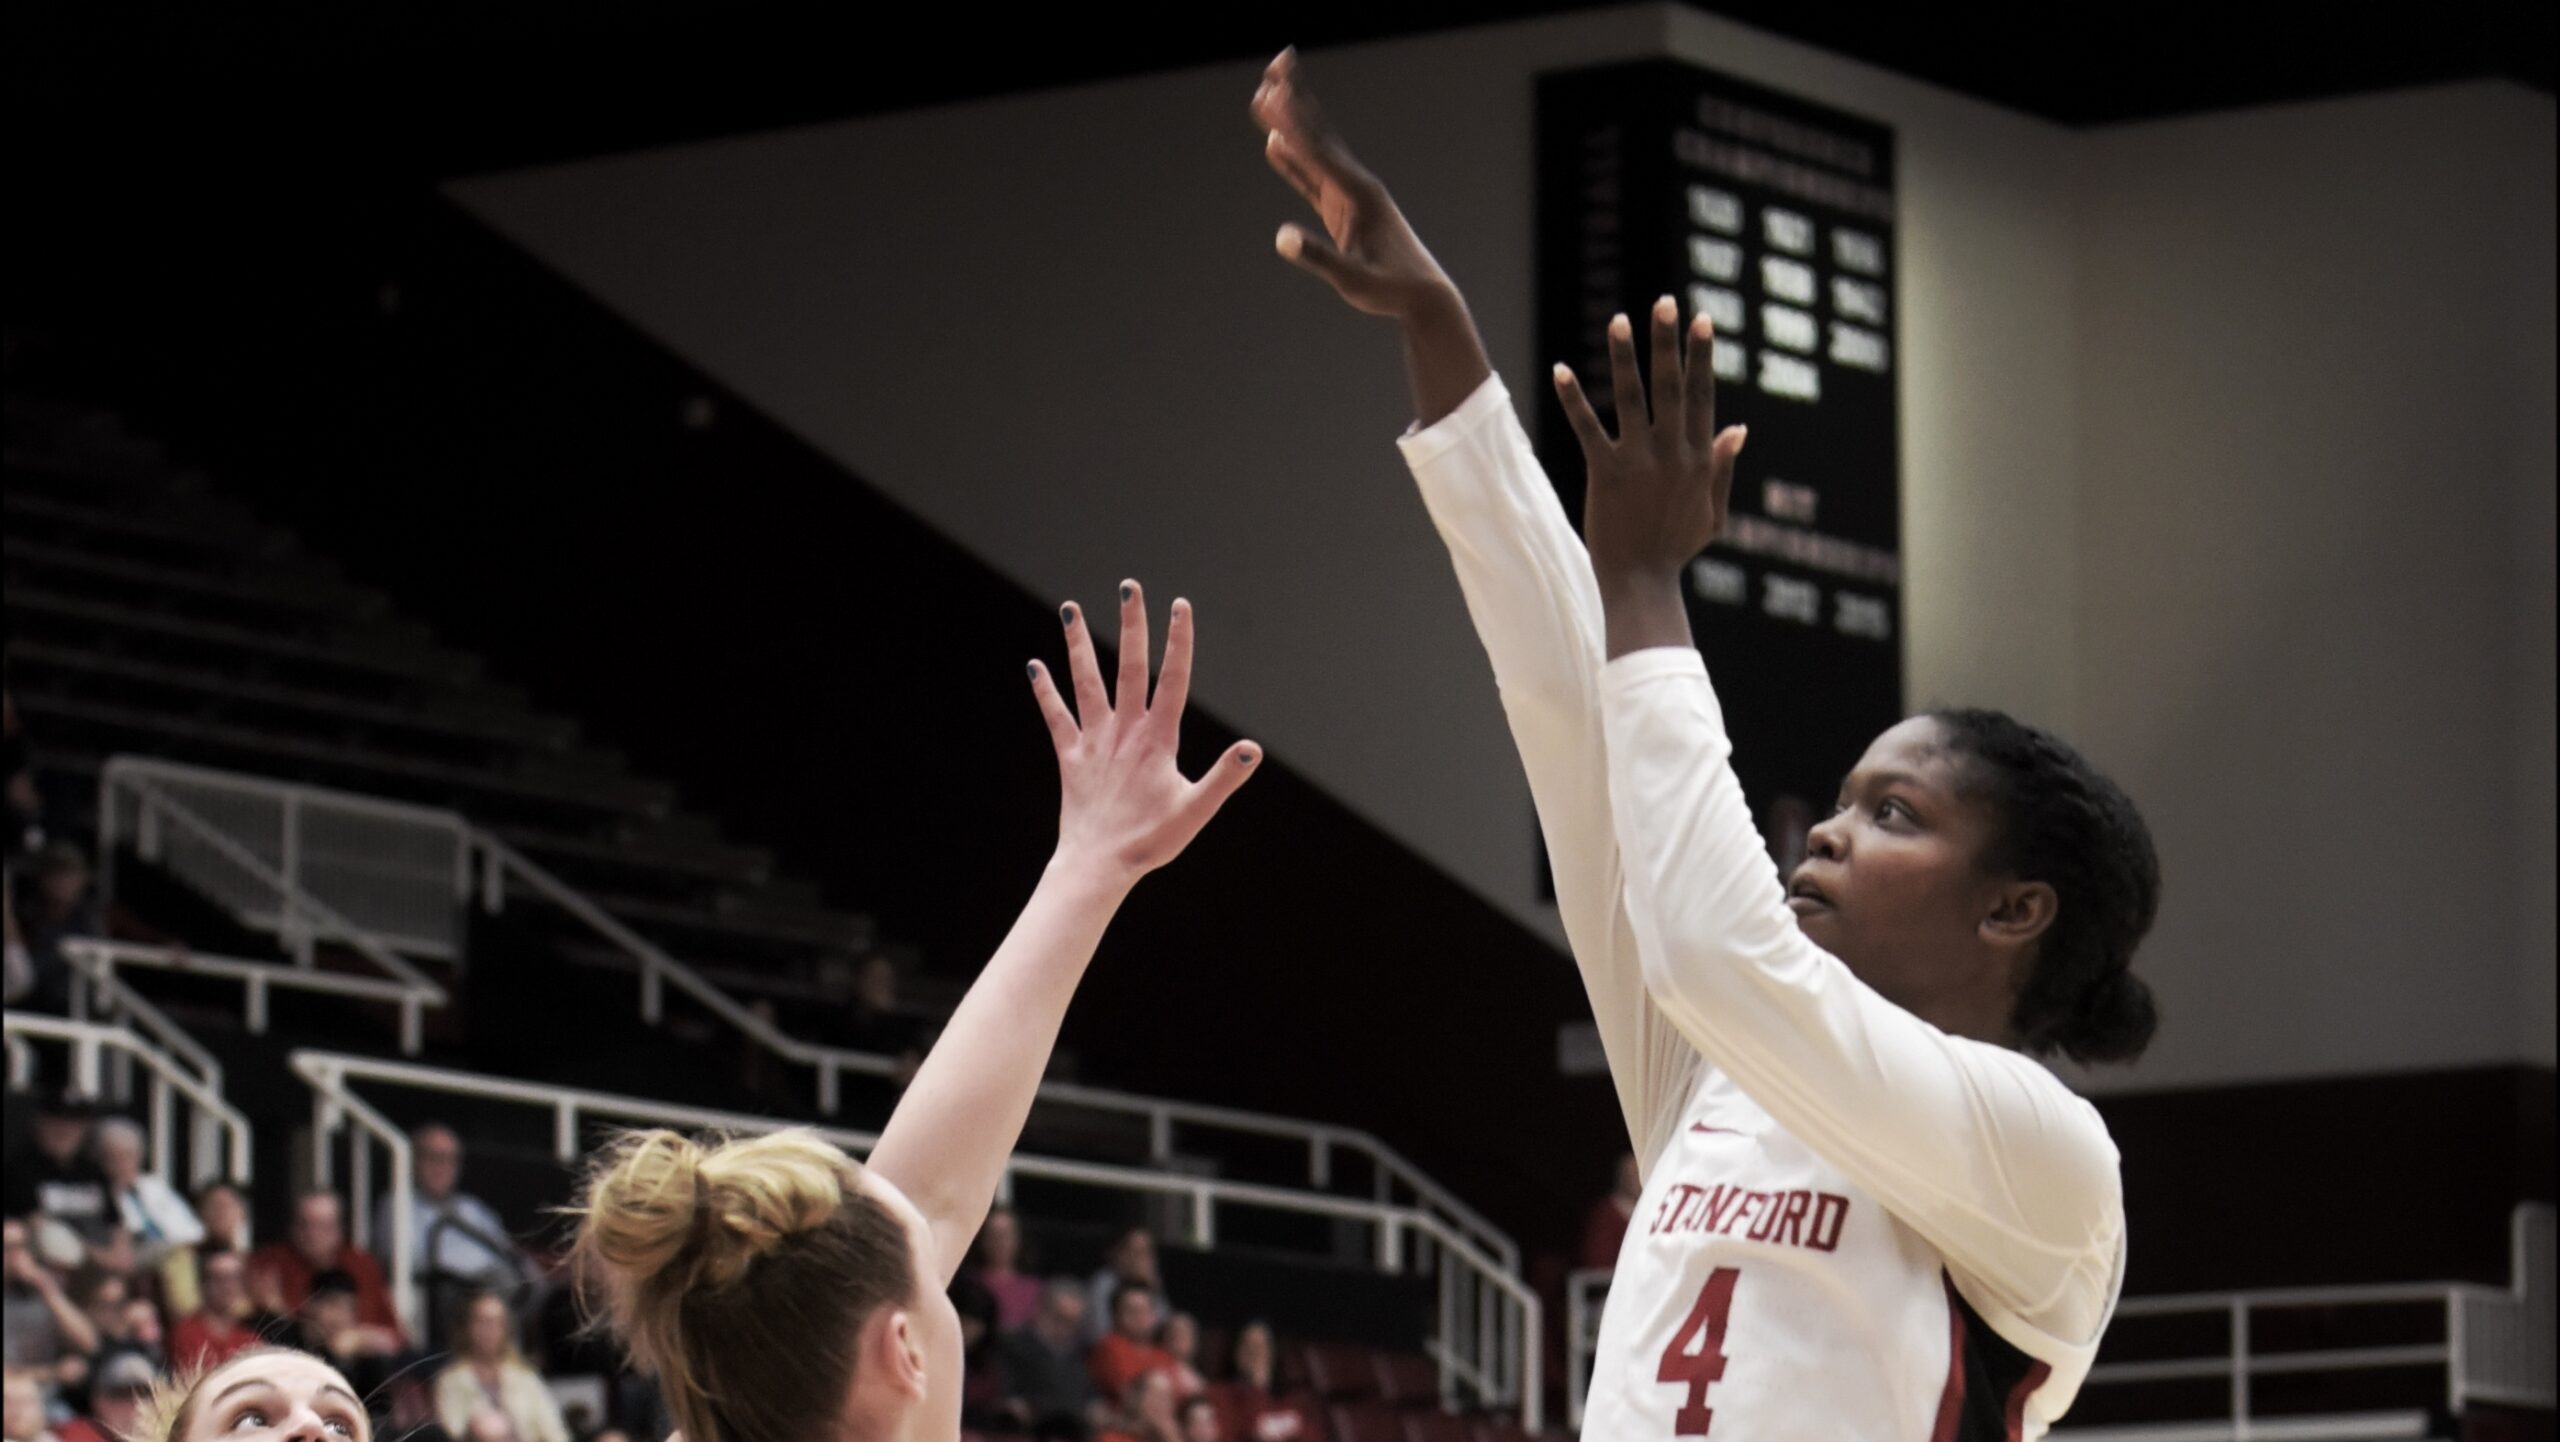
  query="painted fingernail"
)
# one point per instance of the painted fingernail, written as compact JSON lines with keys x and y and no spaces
{"x":1244,"y":758}
{"x":1127,"y":592}
{"x":1067,"y":613}
{"x":1033,"y":670}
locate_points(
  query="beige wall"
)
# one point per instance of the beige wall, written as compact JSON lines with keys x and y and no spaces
{"x":2286,"y":590}
{"x":2305,"y":606}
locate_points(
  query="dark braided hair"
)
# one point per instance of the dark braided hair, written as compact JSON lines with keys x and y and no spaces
{"x":2063,"y":823}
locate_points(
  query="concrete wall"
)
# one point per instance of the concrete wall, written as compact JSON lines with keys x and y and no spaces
{"x":2227,"y":450}
{"x":2315,"y":560}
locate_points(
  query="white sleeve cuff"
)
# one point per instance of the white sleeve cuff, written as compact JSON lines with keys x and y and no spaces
{"x":1423,"y":445}
{"x":1638,"y":669}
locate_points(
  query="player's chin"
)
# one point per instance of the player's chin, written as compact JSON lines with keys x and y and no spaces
{"x":1814,"y":918}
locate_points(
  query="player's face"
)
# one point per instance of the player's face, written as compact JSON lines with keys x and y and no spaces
{"x":275,"y":1395}
{"x":1891,"y":882}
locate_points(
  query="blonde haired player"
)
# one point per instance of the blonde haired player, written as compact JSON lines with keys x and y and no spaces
{"x":1866,"y":1212}
{"x":780,"y":1291}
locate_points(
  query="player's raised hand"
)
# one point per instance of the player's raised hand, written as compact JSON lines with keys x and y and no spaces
{"x":1123,"y":805}
{"x":1366,"y":251}
{"x":1659,"y":489}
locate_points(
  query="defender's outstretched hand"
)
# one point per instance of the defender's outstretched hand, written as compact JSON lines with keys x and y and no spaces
{"x":1123,"y":811}
{"x":1659,"y":490}
{"x":1122,"y":804}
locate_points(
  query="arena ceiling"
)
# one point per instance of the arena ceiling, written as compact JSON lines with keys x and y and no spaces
{"x":421,"y":88}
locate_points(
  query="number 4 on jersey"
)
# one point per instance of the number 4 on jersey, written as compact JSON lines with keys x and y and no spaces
{"x":1696,"y":1354}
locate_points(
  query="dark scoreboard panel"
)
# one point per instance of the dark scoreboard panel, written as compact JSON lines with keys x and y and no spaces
{"x":1774,"y":216}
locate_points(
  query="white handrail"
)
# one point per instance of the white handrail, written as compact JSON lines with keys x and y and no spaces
{"x":658,"y":969}
{"x":1586,"y":1292}
{"x":89,"y":1040}
{"x":113,"y":996}
{"x":127,"y":773}
{"x":495,"y":864}
{"x":1507,"y":1372}
{"x":258,"y":979}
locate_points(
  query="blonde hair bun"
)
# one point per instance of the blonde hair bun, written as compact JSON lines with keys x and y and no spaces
{"x":663,"y":1209}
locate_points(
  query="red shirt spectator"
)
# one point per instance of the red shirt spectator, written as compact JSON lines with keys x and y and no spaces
{"x":1248,"y":1410}
{"x":995,"y":1264}
{"x":1128,"y":1351}
{"x":1606,"y":1227}
{"x":208,"y":1338}
{"x":281,"y":1272}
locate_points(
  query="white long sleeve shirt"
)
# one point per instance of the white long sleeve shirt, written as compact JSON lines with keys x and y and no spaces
{"x":1853,"y":1224}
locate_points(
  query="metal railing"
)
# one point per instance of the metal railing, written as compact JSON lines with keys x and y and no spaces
{"x":487,"y":869}
{"x":167,"y":829}
{"x":1586,"y":1294}
{"x":500,"y":865}
{"x":101,"y":963}
{"x":304,"y":862}
{"x":1489,"y":1319}
{"x":2499,"y":1348}
{"x":91,"y":1044}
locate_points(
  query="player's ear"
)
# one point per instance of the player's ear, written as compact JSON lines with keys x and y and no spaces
{"x":2020,"y":912}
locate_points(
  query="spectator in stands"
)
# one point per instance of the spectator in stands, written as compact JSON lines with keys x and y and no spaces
{"x":17,"y":966}
{"x":1129,"y":1350}
{"x":43,"y":1324}
{"x":224,"y":1324}
{"x":461,"y":1246}
{"x":1179,"y":1339}
{"x":489,"y":1375}
{"x":1047,"y":1385}
{"x":159,"y":1219}
{"x":56,"y":906}
{"x":994,"y":1264}
{"x":873,"y":1023}
{"x":1606,"y":1225}
{"x":1132,"y":1259}
{"x":57,"y":1179}
{"x":981,"y":1379}
{"x":1250,"y":1401}
{"x":333,"y":1329}
{"x":282,"y":1274}
{"x":25,"y":807}
{"x":141,"y":1329}
{"x":122,"y":1385}
{"x":1151,"y":1413}
{"x":22,"y":1407}
{"x":1201,"y":1421}
{"x":224,"y":1214}
{"x":100,"y":1295}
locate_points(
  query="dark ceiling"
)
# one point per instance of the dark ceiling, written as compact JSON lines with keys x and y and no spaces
{"x":405,"y":88}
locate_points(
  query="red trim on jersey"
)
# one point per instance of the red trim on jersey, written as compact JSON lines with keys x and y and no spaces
{"x":2017,"y":1417}
{"x":1951,"y":1400}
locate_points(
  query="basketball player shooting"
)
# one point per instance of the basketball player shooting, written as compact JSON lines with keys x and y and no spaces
{"x":1868,"y":1211}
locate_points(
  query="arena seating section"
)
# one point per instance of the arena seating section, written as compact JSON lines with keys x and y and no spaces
{"x":149,"y":616}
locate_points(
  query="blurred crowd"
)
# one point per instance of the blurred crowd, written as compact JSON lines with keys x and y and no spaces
{"x":117,"y":1281}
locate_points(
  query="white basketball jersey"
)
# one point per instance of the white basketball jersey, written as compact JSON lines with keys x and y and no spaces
{"x":1761,"y":1294}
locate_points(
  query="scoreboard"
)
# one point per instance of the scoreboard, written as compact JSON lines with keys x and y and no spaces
{"x":1774,"y":216}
